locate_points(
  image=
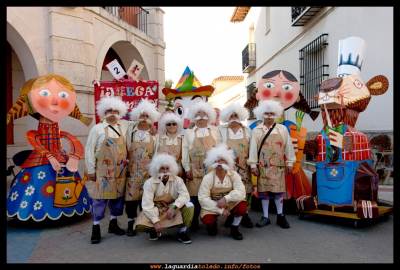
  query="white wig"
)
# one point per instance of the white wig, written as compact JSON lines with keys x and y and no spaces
{"x":235,"y":107}
{"x":114,"y":103}
{"x":268,"y":106}
{"x":167,"y":118}
{"x":145,"y":106}
{"x":217,"y":152}
{"x":163,"y":160}
{"x":202,"y":106}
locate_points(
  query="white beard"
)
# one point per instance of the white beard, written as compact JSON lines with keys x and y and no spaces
{"x":269,"y":117}
{"x":199,"y":118}
{"x":234,"y":120}
{"x":116,"y":116}
{"x":224,"y":166}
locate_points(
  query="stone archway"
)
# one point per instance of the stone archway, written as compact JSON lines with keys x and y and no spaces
{"x":127,"y":53}
{"x":29,"y":54}
{"x":125,"y":50}
{"x":24,"y":51}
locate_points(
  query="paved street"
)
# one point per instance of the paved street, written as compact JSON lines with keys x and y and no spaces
{"x":315,"y":239}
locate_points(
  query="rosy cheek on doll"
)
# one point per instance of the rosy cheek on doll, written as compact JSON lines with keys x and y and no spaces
{"x":288,"y":96}
{"x":64,"y":104}
{"x":44,"y":102}
{"x":266,"y":93}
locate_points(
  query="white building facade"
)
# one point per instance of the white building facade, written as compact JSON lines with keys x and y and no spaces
{"x":278,"y":34}
{"x":77,"y":42}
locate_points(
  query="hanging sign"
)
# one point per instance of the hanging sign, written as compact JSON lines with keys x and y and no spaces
{"x":131,"y":92}
{"x":135,"y":69}
{"x":116,"y":70}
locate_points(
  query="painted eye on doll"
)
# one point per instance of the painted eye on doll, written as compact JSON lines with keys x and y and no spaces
{"x":269,"y":84}
{"x":358,"y":84}
{"x":63,"y":94}
{"x":45,"y":93}
{"x":287,"y":87}
{"x":179,"y":110}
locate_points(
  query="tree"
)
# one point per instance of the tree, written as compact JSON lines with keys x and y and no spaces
{"x":168,"y":83}
{"x":170,"y":105}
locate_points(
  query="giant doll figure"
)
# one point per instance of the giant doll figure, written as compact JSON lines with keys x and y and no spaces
{"x":282,"y":86}
{"x":49,"y":184}
{"x":187,"y":92}
{"x":345,"y":180}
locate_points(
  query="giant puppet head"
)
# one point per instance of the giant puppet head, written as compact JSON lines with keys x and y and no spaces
{"x":282,"y":86}
{"x":345,"y":96}
{"x":187,"y":92}
{"x":50,"y":96}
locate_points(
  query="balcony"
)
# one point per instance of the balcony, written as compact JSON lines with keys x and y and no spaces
{"x":251,"y":99}
{"x":135,"y":16}
{"x":300,"y":15}
{"x":249,"y":58}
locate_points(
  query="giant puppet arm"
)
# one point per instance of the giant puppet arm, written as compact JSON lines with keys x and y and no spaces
{"x":33,"y":138}
{"x":76,"y":153}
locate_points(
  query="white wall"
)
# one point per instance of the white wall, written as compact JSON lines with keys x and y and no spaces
{"x":279,"y":49}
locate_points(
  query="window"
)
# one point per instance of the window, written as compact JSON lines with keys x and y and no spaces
{"x":313,"y":69}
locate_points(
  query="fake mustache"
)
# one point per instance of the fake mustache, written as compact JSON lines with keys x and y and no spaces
{"x":199,"y":118}
{"x":148,"y":121}
{"x":269,"y":117}
{"x":234,"y":120}
{"x":161,"y":175}
{"x":116,"y":116}
{"x":224,"y":166}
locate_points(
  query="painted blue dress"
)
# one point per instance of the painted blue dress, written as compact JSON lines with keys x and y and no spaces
{"x":32,"y":193}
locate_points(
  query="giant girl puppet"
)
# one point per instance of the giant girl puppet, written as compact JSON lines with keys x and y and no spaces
{"x":187,"y":92}
{"x":49,"y":184}
{"x":282,"y":86}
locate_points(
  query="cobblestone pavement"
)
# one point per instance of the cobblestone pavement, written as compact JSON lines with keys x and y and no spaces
{"x":315,"y":239}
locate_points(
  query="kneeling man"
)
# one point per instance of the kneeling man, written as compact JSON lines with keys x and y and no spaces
{"x":222,"y":191}
{"x":165,"y":201}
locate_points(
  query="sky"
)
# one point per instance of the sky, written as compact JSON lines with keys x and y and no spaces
{"x":204,"y":39}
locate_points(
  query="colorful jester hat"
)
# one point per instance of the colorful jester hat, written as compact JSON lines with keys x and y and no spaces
{"x":188,"y":85}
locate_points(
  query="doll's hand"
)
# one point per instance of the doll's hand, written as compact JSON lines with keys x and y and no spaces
{"x":72,"y":164}
{"x":54,"y":163}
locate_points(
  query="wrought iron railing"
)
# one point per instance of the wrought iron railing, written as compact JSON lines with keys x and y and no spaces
{"x":135,"y":16}
{"x":313,"y":69}
{"x":249,"y":57}
{"x":250,"y":90}
{"x":301,"y":15}
{"x":296,"y":12}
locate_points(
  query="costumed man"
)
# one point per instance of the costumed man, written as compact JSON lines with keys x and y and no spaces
{"x":282,"y":86}
{"x":105,"y":158}
{"x":170,"y":141}
{"x":222,"y":191}
{"x":237,"y":136}
{"x":36,"y":192}
{"x":270,"y":144}
{"x":166,"y":200}
{"x":196,"y":142}
{"x":141,"y":148}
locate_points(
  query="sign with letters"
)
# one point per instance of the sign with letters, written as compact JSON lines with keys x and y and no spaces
{"x":116,"y":70}
{"x":131,"y":92}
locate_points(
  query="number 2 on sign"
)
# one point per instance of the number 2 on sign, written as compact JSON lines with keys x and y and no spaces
{"x":116,"y":70}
